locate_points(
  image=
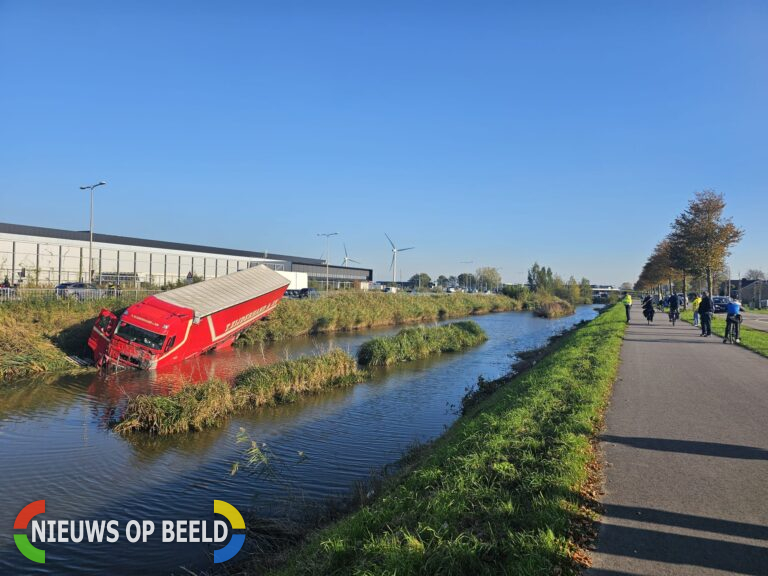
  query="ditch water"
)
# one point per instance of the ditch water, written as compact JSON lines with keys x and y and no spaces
{"x":55,"y":445}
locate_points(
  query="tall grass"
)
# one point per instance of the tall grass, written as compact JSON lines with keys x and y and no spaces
{"x":548,"y":306}
{"x":348,"y":311}
{"x":500,"y":492}
{"x":199,"y":406}
{"x":36,"y":336}
{"x":284,"y":381}
{"x":420,"y":342}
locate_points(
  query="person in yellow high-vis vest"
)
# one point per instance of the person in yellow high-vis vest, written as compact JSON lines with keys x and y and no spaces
{"x":627,"y":301}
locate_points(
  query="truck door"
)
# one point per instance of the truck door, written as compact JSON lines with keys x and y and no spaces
{"x":101,"y":335}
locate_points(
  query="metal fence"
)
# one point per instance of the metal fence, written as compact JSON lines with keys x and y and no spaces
{"x":76,"y":295}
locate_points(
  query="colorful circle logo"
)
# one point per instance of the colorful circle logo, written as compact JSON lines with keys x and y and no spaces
{"x":21,"y":523}
{"x":236,"y":520}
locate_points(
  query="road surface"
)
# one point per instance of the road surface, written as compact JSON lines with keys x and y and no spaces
{"x":686,"y":452}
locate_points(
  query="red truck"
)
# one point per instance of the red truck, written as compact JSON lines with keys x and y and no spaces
{"x":172,"y":326}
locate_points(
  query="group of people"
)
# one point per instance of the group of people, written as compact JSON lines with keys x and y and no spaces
{"x":703,"y":311}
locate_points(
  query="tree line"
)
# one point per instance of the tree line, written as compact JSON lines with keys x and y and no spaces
{"x":699,"y":241}
{"x":543,"y":282}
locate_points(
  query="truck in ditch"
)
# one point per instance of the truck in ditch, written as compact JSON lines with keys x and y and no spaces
{"x":173,"y":326}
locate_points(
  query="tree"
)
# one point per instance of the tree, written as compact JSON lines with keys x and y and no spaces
{"x":703,"y":235}
{"x":420,"y":280}
{"x":754,"y":274}
{"x":488,"y":278}
{"x":585,"y":290}
{"x":442,"y":281}
{"x":626,"y":286}
{"x":540,"y":278}
{"x":467,"y":281}
{"x":574,"y":291}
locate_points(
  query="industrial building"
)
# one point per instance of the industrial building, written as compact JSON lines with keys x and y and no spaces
{"x":35,"y":256}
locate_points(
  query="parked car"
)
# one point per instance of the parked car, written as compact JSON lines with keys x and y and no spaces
{"x":720,"y":302}
{"x":309,"y":293}
{"x":292,"y":294}
{"x":61,"y":288}
{"x":80,"y":291}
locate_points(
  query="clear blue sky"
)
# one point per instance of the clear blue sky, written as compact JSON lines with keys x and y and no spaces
{"x":569,"y":132}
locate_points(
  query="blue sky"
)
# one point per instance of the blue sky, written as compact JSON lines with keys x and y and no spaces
{"x":571,"y":133}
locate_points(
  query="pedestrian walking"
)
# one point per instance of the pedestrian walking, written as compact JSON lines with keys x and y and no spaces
{"x":706,"y":310}
{"x":627,"y":301}
{"x":695,"y":306}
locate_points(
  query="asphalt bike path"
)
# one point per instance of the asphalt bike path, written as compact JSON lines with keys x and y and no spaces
{"x":686,"y":454}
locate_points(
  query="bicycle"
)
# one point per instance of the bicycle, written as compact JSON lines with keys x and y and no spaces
{"x":674,"y":316}
{"x":732,"y":325}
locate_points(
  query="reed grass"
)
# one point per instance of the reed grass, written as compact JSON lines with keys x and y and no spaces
{"x":37,"y":336}
{"x":548,"y":306}
{"x":347,"y":311}
{"x":199,"y":406}
{"x":420,"y":342}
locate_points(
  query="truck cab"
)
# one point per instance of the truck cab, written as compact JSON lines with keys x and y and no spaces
{"x":138,"y":338}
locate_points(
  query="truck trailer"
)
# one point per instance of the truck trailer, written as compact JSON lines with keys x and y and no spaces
{"x":182,"y":323}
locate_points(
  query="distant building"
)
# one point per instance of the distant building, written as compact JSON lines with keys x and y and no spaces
{"x":755,"y":294}
{"x":47,"y":256}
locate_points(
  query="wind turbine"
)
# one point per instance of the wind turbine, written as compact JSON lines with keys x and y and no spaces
{"x":347,"y":258}
{"x":395,"y":250}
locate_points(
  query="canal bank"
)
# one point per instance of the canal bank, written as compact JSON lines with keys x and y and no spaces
{"x":56,"y":438}
{"x":500,"y":492}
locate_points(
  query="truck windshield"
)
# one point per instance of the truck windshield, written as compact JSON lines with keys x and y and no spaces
{"x":140,"y":336}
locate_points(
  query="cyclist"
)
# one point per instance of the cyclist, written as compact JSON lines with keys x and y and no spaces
{"x":732,"y":320}
{"x":648,"y":310}
{"x":674,"y":308}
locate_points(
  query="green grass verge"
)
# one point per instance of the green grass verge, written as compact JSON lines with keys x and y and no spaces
{"x":199,"y":406}
{"x":420,"y":342}
{"x":498,"y":493}
{"x":346,"y":311}
{"x":755,"y":340}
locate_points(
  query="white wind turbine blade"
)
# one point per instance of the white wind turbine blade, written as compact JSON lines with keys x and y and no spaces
{"x":404,"y":249}
{"x":390,"y":241}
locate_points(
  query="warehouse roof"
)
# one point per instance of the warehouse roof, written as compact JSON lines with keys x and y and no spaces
{"x":205,"y":298}
{"x":161,"y":244}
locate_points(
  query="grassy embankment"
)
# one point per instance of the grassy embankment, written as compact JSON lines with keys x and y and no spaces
{"x":198,"y":406}
{"x":205,"y":405}
{"x":37,"y":336}
{"x":420,"y":342}
{"x":347,"y":311}
{"x":755,"y":340}
{"x":500,"y":492}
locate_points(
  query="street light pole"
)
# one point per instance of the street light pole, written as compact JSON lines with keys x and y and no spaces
{"x":327,"y":255}
{"x":90,"y":229}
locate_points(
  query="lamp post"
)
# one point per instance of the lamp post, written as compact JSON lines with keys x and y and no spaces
{"x":327,"y":255}
{"x":90,"y":233}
